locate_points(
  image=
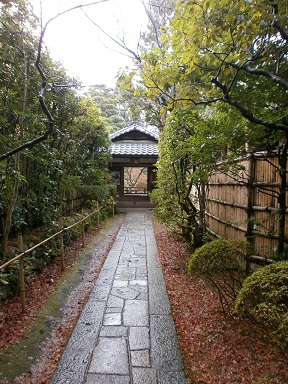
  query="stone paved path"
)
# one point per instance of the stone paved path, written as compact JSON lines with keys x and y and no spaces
{"x":126,"y":333}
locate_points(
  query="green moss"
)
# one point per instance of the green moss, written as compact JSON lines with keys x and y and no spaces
{"x":17,"y":359}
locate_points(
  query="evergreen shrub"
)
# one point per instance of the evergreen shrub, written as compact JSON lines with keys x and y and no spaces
{"x":264,"y":296}
{"x":223,"y":263}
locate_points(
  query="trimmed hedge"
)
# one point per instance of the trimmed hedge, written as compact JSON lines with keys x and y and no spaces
{"x":223,"y":263}
{"x":264,"y":296}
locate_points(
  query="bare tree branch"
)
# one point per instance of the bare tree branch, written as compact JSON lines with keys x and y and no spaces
{"x":248,"y":68}
{"x":121,"y":43}
{"x":283,"y":34}
{"x":41,"y":96}
{"x":261,"y":72}
{"x":156,"y":30}
{"x":245,"y":112}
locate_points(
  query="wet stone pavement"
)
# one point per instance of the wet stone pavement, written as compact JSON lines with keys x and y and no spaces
{"x":126,"y":334}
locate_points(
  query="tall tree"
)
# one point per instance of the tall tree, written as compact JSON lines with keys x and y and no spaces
{"x":16,"y":89}
{"x":143,"y":103}
{"x":232,"y":53}
{"x":71,"y":153}
{"x":235,"y":52}
{"x":190,"y":144}
{"x":108,"y":101}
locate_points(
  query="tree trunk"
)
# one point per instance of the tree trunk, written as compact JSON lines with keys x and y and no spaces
{"x":8,"y":219}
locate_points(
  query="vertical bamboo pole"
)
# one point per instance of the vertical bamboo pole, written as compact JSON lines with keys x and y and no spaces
{"x":249,"y":210}
{"x":21,"y":274}
{"x":83,"y":229}
{"x":282,"y":159}
{"x":61,"y":243}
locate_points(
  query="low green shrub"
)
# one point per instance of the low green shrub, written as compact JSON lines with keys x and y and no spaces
{"x":223,"y":263}
{"x":74,"y":232}
{"x":40,"y":257}
{"x":264,"y":296}
{"x":9,"y":279}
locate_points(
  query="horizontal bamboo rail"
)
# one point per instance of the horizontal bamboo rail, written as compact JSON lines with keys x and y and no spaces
{"x":20,"y":257}
{"x":243,"y":229}
{"x":252,"y":257}
{"x":227,"y":183}
{"x":253,"y":155}
{"x":243,"y":183}
{"x":237,"y":227}
{"x":243,"y":206}
{"x":222,"y":202}
{"x":46,"y":240}
{"x":246,"y":201}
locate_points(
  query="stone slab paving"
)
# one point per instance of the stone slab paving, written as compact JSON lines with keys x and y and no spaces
{"x":126,"y":334}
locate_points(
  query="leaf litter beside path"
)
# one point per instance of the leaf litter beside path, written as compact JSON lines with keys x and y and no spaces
{"x":215,"y":349}
{"x":32,"y":343}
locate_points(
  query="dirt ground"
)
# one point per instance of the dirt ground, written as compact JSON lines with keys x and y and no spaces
{"x":32,"y":344}
{"x":216,"y":350}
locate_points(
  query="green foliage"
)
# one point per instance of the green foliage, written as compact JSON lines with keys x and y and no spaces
{"x":218,"y":62}
{"x":74,"y":232}
{"x":73,"y":161}
{"x":40,"y":258}
{"x":43,"y":255}
{"x":264,"y":296}
{"x":230,"y":56}
{"x":228,"y":53}
{"x":190,"y":144}
{"x":108,"y":101}
{"x":218,"y":256}
{"x":9,"y":279}
{"x":223,"y":263}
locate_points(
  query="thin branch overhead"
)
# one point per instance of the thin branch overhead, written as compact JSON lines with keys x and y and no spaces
{"x":43,"y":90}
{"x":120,"y":43}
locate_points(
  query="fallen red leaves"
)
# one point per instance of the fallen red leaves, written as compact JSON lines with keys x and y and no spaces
{"x":216,"y":350}
{"x":14,"y":325}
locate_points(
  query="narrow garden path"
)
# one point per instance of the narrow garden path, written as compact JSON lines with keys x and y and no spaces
{"x":215,"y":350}
{"x":126,"y":333}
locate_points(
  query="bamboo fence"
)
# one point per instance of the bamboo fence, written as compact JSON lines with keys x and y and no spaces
{"x":243,"y":203}
{"x":60,"y":233}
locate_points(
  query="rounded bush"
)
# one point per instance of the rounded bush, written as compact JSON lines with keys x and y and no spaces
{"x":219,"y":256}
{"x":223,"y":263}
{"x":264,"y":296}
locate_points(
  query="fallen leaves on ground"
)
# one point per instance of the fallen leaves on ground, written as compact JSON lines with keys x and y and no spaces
{"x":14,"y":325}
{"x":215,"y":349}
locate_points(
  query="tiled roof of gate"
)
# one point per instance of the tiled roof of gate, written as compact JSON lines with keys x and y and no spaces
{"x":134,"y":148}
{"x":136,"y":126}
{"x":144,"y":144}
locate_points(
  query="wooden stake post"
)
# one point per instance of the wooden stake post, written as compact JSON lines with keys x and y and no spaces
{"x":98,"y":216}
{"x":83,"y":229}
{"x":21,"y":254}
{"x":21,"y":273}
{"x":61,"y":243}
